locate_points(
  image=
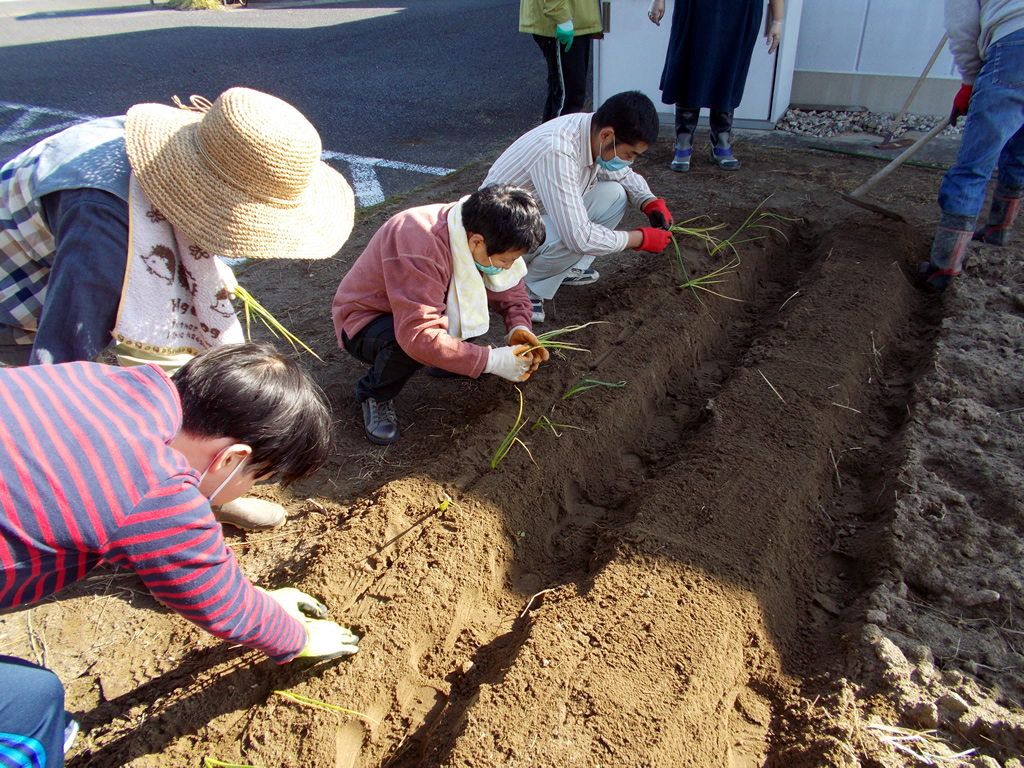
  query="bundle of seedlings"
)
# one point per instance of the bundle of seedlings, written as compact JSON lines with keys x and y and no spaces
{"x":758,"y":219}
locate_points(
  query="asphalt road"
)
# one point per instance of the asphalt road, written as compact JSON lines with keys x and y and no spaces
{"x":399,"y":91}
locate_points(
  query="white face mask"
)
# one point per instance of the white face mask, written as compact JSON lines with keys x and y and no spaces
{"x":226,"y":479}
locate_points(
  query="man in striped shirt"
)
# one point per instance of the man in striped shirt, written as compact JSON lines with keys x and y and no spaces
{"x":120,"y":465}
{"x":578,"y":168}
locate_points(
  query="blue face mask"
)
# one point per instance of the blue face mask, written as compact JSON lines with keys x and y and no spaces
{"x":488,"y":270}
{"x":616,"y":163}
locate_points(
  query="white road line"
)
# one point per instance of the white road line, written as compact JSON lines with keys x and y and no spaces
{"x":31,"y":122}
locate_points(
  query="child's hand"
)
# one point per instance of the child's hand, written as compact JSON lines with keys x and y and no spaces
{"x":522,"y":336}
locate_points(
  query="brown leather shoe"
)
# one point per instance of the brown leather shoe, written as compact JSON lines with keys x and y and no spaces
{"x":250,"y":514}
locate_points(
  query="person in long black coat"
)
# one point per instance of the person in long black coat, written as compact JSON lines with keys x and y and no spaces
{"x":706,"y":65}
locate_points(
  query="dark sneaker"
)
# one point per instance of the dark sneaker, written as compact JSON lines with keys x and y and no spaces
{"x":380,"y":421}
{"x":578,"y":276}
{"x":538,"y":311}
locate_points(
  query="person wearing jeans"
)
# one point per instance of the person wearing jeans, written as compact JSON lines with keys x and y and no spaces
{"x":554,"y":261}
{"x":113,"y":465}
{"x":34,"y":728}
{"x":987,"y":41}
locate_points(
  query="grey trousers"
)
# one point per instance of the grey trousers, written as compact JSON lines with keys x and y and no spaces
{"x":549,"y":264}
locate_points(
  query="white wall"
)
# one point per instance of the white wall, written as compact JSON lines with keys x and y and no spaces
{"x":834,"y":53}
{"x":632,"y":54}
{"x":871,"y":52}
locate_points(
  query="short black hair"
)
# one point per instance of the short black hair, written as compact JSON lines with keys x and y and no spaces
{"x":632,"y":116}
{"x":257,"y":396}
{"x":507,"y":217}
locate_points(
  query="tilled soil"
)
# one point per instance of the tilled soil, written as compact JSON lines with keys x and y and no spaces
{"x":796,"y":524}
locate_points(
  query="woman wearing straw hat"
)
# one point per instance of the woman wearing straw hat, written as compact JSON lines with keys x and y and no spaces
{"x":108,"y":231}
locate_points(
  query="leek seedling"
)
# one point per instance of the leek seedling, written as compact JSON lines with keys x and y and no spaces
{"x":512,"y":437}
{"x":711,"y":278}
{"x":756,"y":220}
{"x":547,"y":339}
{"x":209,"y":762}
{"x":275,"y":327}
{"x":546,"y":423}
{"x":323,"y":704}
{"x":586,"y":384}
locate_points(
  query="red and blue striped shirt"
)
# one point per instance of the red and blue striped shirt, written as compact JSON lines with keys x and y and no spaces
{"x":87,"y":476}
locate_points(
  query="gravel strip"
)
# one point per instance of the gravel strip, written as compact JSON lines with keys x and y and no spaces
{"x":837,"y":122}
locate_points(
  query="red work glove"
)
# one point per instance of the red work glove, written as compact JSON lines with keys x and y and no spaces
{"x":961,"y":103}
{"x":658,"y":214}
{"x":655,"y":240}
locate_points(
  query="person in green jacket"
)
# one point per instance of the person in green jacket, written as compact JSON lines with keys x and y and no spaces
{"x":563,"y":29}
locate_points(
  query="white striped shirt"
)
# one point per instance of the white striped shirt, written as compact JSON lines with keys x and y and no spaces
{"x":554,"y":162}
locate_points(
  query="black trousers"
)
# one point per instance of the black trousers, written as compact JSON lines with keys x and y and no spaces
{"x":391,"y":368}
{"x":567,"y":75}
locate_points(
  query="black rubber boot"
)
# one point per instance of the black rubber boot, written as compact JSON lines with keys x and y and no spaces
{"x":686,"y":127}
{"x":1005,"y":204}
{"x":721,"y":147}
{"x":949,"y":249}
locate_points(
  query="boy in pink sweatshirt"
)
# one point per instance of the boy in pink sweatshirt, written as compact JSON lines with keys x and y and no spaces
{"x":424,"y":286}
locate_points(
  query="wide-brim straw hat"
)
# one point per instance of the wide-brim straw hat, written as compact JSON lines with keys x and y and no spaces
{"x":241,"y":177}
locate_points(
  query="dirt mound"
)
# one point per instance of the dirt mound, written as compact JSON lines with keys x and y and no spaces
{"x":797,"y":523}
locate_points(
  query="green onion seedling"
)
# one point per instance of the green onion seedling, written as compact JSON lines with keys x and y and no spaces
{"x":324,"y":705}
{"x":547,"y":339}
{"x":512,"y":437}
{"x":546,"y":423}
{"x":273,"y":325}
{"x":586,"y":384}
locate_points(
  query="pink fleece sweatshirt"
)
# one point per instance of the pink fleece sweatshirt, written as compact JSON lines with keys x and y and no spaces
{"x":405,"y":271}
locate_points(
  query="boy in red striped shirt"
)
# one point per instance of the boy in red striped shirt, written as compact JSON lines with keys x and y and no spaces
{"x":120,"y":465}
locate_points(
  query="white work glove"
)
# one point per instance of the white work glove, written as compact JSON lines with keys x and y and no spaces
{"x":325,"y":639}
{"x":502,"y":361}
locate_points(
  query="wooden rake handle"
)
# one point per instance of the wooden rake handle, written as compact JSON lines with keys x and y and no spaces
{"x":900,"y":159}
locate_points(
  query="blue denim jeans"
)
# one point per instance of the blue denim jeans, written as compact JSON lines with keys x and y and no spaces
{"x":994,"y":133}
{"x":31,"y":715}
